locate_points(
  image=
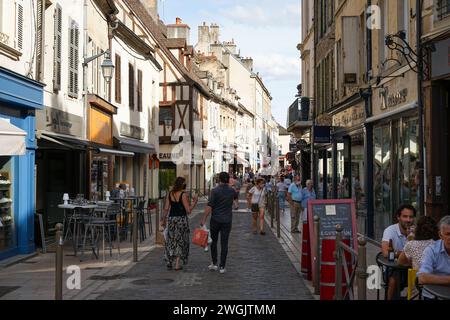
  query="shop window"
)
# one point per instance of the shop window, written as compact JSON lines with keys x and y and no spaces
{"x":7,"y":229}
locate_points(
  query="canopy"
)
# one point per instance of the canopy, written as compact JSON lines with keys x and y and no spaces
{"x":12,"y":139}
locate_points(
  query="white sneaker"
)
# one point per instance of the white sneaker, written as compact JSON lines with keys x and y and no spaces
{"x":206,"y":249}
{"x":213,"y":267}
{"x":222,"y":270}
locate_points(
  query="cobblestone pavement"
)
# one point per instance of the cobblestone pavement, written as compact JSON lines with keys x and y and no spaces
{"x":257,"y":268}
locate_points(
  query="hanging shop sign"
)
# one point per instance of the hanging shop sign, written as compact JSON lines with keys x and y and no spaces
{"x":322,"y":134}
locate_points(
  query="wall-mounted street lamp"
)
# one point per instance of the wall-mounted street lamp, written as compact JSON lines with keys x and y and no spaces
{"x":107,"y":71}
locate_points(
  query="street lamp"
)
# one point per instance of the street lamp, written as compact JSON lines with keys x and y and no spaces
{"x":107,"y":70}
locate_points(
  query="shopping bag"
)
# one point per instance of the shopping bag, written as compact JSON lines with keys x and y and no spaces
{"x":200,"y":237}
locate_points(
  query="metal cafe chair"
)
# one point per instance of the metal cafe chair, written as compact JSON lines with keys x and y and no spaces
{"x":385,"y":280}
{"x":104,"y":219}
{"x":139,"y":214}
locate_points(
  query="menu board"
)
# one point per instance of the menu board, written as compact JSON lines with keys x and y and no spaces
{"x":331,"y":213}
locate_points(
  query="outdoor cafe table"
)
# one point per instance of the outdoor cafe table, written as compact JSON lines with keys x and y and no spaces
{"x":74,"y":207}
{"x":440,"y":292}
{"x":391,"y":265}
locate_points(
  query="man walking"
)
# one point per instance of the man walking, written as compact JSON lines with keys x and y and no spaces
{"x":295,"y":200}
{"x":220,"y":206}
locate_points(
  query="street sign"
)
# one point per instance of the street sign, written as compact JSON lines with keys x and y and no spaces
{"x":322,"y":134}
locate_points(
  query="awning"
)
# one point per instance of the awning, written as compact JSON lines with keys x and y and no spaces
{"x":115,"y":152}
{"x":241,"y":161}
{"x":64,"y":140}
{"x":132,"y":145}
{"x":12,"y":139}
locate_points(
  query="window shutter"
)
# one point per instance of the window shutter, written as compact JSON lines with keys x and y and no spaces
{"x":40,"y":40}
{"x":57,"y":49}
{"x":118,"y":85}
{"x":19,"y":31}
{"x":131,"y":86}
{"x":139,"y":91}
{"x":73,"y":59}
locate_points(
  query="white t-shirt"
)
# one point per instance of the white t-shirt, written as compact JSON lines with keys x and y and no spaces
{"x":282,"y":187}
{"x":256,"y":194}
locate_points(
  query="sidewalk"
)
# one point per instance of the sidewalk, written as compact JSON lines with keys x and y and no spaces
{"x":34,"y":278}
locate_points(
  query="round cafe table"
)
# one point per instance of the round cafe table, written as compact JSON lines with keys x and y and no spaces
{"x":390,"y":266}
{"x":440,"y":292}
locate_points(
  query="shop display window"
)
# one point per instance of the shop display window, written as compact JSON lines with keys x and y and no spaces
{"x":7,"y":230}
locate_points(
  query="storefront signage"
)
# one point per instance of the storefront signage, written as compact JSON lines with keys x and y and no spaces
{"x":322,"y":134}
{"x":165,"y":156}
{"x":62,"y":122}
{"x":389,"y":100}
{"x":349,"y":118}
{"x":131,"y":131}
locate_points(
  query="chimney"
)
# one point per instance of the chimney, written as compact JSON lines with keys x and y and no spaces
{"x":231,"y":46}
{"x":152,"y":8}
{"x":248,"y":63}
{"x":214,"y":33}
{"x":178,"y":30}
{"x":203,"y":39}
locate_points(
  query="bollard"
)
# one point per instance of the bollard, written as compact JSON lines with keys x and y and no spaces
{"x":158,"y":235}
{"x":59,"y":262}
{"x":316,"y":262}
{"x":361,"y":270}
{"x":135,"y":234}
{"x":338,"y":266}
{"x":277,"y":211}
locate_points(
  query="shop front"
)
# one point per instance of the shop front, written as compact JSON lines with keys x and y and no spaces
{"x":437,"y":124}
{"x":20,"y":97}
{"x":348,"y":164}
{"x":61,"y":163}
{"x":396,"y":151}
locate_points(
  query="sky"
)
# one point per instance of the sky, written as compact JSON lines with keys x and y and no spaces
{"x":266,"y":30}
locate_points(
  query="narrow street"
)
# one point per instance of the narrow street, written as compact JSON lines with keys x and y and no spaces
{"x":257,"y":268}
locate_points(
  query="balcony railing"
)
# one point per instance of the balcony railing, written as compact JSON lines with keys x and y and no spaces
{"x":443,"y":9}
{"x":300,"y":110}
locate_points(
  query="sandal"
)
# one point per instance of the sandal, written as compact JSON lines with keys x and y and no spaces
{"x":262,"y":233}
{"x":178,"y":269}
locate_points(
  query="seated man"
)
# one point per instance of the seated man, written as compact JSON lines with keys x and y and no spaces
{"x":398,"y":233}
{"x":435,"y":267}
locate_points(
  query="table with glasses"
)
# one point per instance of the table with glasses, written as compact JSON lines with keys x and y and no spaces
{"x":77,"y":218}
{"x":440,"y":292}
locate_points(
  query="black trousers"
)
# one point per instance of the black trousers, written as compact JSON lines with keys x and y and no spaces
{"x":224,"y":229}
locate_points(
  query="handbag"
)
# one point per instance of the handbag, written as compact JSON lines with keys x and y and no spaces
{"x":200,"y":237}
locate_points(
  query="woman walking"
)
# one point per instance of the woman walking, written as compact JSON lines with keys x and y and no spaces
{"x":257,"y":198}
{"x":176,"y":209}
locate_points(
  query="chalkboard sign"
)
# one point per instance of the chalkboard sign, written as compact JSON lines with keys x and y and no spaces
{"x":331,"y":213}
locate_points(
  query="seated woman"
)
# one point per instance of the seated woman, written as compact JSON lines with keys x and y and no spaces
{"x":426,"y":233}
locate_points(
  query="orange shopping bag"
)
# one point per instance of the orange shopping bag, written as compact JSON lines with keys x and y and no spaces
{"x":200,"y":238}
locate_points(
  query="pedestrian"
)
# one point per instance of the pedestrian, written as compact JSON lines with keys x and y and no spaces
{"x":294,"y":196}
{"x":257,"y":198}
{"x":220,"y":206}
{"x":237,"y":188}
{"x":176,"y":210}
{"x":282,"y":190}
{"x":308,"y":193}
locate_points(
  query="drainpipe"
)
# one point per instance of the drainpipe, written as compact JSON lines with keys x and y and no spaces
{"x":85,"y":44}
{"x":422,"y":191}
{"x":368,"y":143}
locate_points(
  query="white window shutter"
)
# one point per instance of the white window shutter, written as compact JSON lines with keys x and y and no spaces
{"x":73,"y":59}
{"x":19,"y":25}
{"x":350,"y":32}
{"x":57,"y":44}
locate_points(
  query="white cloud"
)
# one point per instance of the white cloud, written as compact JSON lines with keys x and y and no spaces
{"x":277,"y":66}
{"x":259,"y":15}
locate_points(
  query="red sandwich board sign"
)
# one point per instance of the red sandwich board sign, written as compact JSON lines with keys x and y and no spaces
{"x":331,"y":213}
